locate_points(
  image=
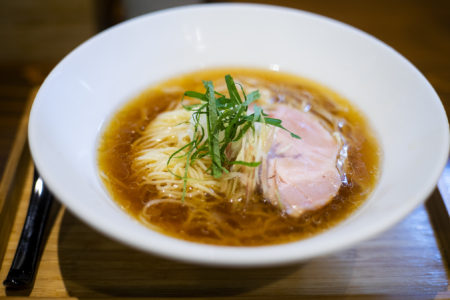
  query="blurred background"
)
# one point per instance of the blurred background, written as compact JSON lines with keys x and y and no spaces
{"x":36,"y":35}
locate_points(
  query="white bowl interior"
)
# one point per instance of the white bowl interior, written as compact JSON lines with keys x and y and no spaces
{"x":93,"y":81}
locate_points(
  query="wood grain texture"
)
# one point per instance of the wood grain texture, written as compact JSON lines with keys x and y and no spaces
{"x":78,"y":262}
{"x":418,"y":29}
{"x":441,"y":223}
{"x":11,"y":181}
{"x":43,"y":31}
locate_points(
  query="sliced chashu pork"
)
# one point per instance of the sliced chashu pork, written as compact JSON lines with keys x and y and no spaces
{"x":301,"y":174}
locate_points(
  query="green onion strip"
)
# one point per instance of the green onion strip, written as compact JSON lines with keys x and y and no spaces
{"x":226,"y":122}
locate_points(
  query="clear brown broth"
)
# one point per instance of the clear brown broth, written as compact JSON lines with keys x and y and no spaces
{"x":260,"y":223}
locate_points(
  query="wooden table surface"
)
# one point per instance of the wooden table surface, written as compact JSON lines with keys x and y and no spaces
{"x":419,"y":30}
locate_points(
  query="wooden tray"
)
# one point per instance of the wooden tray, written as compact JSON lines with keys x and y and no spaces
{"x":410,"y":261}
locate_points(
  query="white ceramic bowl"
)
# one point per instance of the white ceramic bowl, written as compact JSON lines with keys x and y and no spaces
{"x":93,"y":81}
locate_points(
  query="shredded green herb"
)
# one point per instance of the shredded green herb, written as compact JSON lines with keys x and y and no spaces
{"x":226,"y":122}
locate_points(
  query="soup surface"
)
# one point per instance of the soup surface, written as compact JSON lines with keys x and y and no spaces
{"x":133,"y":159}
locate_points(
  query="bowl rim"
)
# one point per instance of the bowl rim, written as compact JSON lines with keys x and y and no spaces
{"x":239,"y":256}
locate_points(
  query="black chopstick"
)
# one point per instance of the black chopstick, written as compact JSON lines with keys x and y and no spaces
{"x":23,"y":268}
